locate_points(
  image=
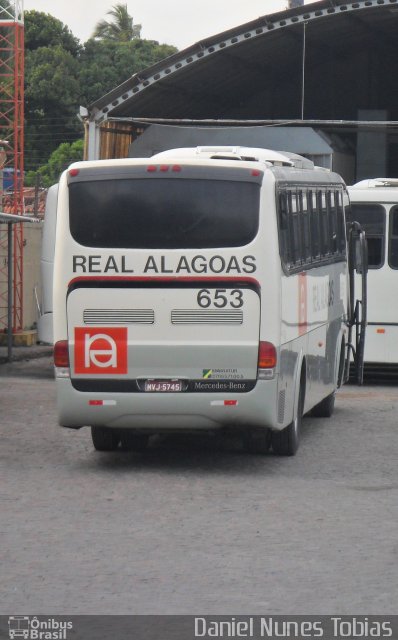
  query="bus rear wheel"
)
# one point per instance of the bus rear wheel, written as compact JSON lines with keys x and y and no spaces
{"x":286,"y":442}
{"x":131,"y":441}
{"x":104,"y":438}
{"x":257,"y":440}
{"x":325,"y":408}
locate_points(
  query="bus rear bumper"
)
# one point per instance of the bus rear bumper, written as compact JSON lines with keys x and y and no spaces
{"x":156,"y":412}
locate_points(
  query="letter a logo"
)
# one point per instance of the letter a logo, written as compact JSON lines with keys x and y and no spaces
{"x":100,"y":357}
{"x":102,"y":350}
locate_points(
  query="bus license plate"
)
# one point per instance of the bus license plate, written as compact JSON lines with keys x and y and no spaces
{"x":163,"y":386}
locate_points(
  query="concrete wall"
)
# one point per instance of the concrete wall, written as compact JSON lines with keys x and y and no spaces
{"x":344,"y":164}
{"x":371,"y":147}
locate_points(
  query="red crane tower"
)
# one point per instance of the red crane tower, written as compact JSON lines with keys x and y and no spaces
{"x":12,"y":135}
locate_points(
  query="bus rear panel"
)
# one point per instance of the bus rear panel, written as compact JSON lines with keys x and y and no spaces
{"x":177,"y":305}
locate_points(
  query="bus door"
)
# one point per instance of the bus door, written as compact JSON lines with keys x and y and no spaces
{"x":357,"y":316}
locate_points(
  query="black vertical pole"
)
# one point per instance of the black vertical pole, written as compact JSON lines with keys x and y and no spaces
{"x":10,"y":259}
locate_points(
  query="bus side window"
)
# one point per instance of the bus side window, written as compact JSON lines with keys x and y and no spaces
{"x":372,"y":218}
{"x":341,"y":237}
{"x":284,"y":227}
{"x":393,"y":253}
{"x":311,"y":225}
{"x":305,"y":226}
{"x":332,"y":221}
{"x":315,"y":232}
{"x":295,"y":214}
{"x":324,"y":226}
{"x":292,"y":251}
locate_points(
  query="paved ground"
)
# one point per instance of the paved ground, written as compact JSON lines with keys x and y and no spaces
{"x":24,"y":353}
{"x":196,"y":525}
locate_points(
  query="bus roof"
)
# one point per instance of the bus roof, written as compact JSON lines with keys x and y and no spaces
{"x":376,"y":183}
{"x":292,"y":165}
{"x":248,"y":154}
{"x":375,"y":190}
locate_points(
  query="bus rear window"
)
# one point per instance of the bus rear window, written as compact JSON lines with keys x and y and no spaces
{"x":163,"y":213}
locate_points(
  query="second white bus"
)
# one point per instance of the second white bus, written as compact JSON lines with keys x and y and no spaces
{"x":202,"y":288}
{"x":374,"y":204}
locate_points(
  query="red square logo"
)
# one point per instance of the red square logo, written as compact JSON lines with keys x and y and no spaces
{"x":101,"y":350}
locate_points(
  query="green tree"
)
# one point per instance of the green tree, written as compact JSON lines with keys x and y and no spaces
{"x":120,"y":29}
{"x":59,"y":160}
{"x":61,"y":74}
{"x":105,"y":64}
{"x":51,"y":102}
{"x":43,"y":30}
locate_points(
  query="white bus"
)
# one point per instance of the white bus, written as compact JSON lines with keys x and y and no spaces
{"x":374,"y":204}
{"x":202,"y":288}
{"x":45,"y":308}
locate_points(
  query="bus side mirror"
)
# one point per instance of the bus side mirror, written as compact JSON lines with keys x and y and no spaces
{"x":358,"y":249}
{"x":361,"y":265}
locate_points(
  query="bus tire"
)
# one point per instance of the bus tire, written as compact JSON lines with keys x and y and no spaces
{"x":104,"y":438}
{"x":325,"y":408}
{"x":257,"y":441}
{"x":131,"y":441}
{"x":286,"y":442}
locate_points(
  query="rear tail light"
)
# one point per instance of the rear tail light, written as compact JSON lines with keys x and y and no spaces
{"x":153,"y":168}
{"x":61,"y":354}
{"x":266,"y":356}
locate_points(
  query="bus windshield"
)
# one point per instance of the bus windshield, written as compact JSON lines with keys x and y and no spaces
{"x":164,"y":213}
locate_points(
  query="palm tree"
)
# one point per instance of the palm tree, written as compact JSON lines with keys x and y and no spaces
{"x":120,"y":29}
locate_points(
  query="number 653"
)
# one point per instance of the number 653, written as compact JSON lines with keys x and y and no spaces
{"x":220,"y":298}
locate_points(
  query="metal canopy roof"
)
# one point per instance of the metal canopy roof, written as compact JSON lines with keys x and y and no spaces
{"x":255,"y":70}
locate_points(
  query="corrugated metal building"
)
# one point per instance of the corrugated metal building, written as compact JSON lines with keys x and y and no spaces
{"x":330,"y":65}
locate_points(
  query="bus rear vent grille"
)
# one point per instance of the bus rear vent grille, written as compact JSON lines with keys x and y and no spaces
{"x":118,"y":316}
{"x":281,"y":405}
{"x":206,"y":316}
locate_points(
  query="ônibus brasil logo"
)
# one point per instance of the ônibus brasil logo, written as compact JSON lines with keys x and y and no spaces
{"x":102,"y":350}
{"x":34,"y":629}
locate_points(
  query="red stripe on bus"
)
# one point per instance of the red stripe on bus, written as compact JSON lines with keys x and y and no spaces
{"x":175,"y":279}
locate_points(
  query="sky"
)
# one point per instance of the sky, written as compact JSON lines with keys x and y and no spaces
{"x":177,"y":22}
